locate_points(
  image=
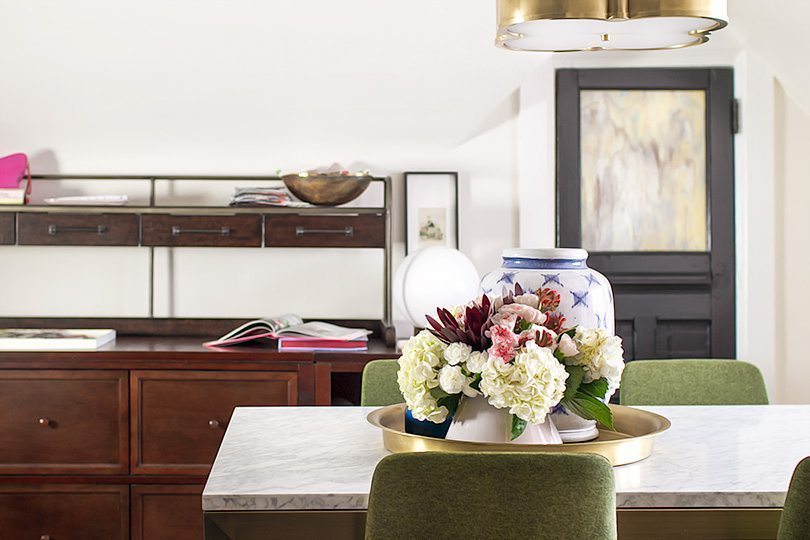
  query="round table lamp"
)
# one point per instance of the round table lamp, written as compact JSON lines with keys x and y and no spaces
{"x":434,"y":277}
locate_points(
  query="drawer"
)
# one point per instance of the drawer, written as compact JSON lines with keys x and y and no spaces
{"x":178,"y":418}
{"x":167,"y":512}
{"x":77,"y":230}
{"x":6,"y":229}
{"x":343,"y":231}
{"x":64,"y":512}
{"x":63,"y":422}
{"x":201,"y":231}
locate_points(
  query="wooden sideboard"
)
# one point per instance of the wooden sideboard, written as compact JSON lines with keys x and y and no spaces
{"x":116,"y":443}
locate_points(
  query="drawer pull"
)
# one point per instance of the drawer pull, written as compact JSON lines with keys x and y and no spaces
{"x":213,"y":424}
{"x":44,"y":422}
{"x":53,"y":230}
{"x":346,"y":231}
{"x":222,"y":231}
{"x":45,"y":537}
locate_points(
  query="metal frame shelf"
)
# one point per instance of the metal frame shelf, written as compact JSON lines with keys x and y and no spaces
{"x":153,"y":208}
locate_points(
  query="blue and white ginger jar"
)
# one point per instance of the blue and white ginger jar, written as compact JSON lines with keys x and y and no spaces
{"x":586,"y":299}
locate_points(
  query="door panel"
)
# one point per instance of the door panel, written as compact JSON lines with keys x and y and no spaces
{"x":647,"y":183}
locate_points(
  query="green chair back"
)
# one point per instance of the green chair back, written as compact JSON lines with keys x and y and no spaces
{"x":379,"y":386}
{"x":492,"y":495}
{"x":692,"y":382}
{"x":795,"y":521}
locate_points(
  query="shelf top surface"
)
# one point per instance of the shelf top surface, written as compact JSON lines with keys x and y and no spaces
{"x":191,"y":210}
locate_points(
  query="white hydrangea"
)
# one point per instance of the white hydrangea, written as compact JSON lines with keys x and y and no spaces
{"x":600,"y":354}
{"x":529,"y":386}
{"x":419,"y":365}
{"x":477,"y":361}
{"x":453,"y":381}
{"x":457,"y":353}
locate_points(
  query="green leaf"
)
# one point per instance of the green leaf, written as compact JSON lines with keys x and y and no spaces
{"x":590,"y":408}
{"x":438,"y":393}
{"x":518,"y":427}
{"x":451,"y":402}
{"x":476,"y":382}
{"x":572,"y":384}
{"x":597,"y":388}
{"x":571,"y":332}
{"x":522,"y":326}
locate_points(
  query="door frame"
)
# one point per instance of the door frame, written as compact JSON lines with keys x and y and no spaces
{"x":718,"y":83}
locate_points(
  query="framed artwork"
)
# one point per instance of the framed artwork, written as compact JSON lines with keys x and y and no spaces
{"x":431,"y":210}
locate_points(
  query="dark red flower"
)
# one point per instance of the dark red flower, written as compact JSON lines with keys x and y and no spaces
{"x":472,"y":332}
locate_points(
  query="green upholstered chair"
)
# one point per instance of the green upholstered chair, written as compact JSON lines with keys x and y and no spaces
{"x":795,"y":522}
{"x":379,"y":387}
{"x":692,"y":382}
{"x":492,"y":495}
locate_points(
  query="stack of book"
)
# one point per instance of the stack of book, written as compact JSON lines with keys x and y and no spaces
{"x":264,"y":196}
{"x":293,"y":334}
{"x":14,"y":196}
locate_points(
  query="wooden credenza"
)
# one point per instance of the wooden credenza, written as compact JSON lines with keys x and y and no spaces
{"x":117,"y":443}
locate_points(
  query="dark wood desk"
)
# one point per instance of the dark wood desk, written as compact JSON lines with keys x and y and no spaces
{"x":117,"y":442}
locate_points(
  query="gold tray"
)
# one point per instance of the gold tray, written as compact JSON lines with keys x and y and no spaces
{"x":632,"y":441}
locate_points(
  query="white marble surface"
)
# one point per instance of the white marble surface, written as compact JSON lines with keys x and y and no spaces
{"x":298,"y":458}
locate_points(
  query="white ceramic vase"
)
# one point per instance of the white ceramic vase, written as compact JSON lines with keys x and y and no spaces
{"x":478,"y":421}
{"x":573,"y":428}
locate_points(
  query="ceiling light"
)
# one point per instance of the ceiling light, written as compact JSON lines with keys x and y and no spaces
{"x":599,"y":25}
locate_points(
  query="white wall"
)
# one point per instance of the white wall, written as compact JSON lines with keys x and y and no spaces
{"x":208,"y":87}
{"x":792,"y":253}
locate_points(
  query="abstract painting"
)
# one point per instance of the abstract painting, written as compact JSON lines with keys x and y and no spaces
{"x":643,"y":170}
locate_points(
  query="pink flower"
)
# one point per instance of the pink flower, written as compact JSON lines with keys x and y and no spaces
{"x":502,"y":350}
{"x":503,"y":335}
{"x":527,"y":336}
{"x":527,"y":313}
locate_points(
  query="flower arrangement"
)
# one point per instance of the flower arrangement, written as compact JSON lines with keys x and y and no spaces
{"x":516,"y":352}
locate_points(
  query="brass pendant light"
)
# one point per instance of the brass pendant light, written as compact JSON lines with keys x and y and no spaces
{"x":599,"y":25}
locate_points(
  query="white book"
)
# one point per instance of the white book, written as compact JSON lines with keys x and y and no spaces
{"x":31,"y":339}
{"x":12,"y":196}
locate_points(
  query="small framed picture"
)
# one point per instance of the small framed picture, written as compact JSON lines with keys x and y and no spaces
{"x":431,"y":210}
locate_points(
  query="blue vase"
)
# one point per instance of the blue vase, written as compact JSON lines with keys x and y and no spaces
{"x":426,"y":428}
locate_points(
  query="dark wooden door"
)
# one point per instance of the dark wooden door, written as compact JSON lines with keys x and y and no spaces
{"x":645,"y":182}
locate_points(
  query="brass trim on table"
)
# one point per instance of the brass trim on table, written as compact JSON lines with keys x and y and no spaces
{"x":632,"y":524}
{"x":698,"y":523}
{"x":632,"y":441}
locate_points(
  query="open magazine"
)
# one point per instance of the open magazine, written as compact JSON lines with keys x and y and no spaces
{"x":291,"y":329}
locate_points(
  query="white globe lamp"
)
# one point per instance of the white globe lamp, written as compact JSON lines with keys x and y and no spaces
{"x":434,"y":277}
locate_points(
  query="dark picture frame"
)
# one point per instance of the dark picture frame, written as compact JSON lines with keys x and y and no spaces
{"x":431,"y":209}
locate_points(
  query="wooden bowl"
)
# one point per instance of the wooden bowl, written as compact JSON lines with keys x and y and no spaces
{"x":326,"y":189}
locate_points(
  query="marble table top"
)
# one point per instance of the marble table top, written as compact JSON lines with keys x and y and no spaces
{"x":322,"y":458}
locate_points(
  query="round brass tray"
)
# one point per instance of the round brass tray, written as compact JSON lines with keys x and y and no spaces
{"x":632,"y":441}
